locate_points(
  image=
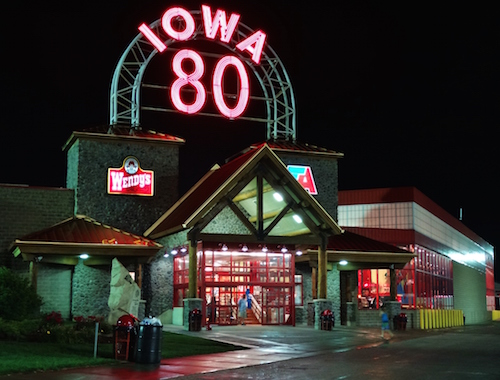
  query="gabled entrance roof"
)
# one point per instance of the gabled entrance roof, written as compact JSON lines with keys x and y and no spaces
{"x":267,"y":203}
{"x":65,"y":241}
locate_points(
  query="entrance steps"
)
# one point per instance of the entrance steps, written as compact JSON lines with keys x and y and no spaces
{"x":251,"y":319}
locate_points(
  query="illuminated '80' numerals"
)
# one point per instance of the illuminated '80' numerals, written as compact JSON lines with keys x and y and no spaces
{"x":193,"y":79}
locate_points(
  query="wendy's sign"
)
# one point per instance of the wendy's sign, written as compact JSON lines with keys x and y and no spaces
{"x":215,"y":26}
{"x":130,"y":179}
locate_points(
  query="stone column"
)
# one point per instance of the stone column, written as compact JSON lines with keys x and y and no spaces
{"x":189,"y":305}
{"x":319,"y":306}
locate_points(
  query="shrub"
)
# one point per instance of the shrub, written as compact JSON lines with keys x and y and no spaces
{"x":25,"y":330}
{"x":18,"y":299}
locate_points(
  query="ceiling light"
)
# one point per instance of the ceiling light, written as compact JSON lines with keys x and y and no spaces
{"x":264,"y":249}
{"x":224,"y":247}
{"x":84,"y":256}
{"x":278,"y":197}
{"x":284,"y":249}
{"x":166,"y":255}
{"x":298,"y":253}
{"x":244,"y":248}
{"x":343,"y":262}
{"x":173,"y":252}
{"x":297,"y":218}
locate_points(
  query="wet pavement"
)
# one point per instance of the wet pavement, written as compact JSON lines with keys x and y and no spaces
{"x":268,"y":350}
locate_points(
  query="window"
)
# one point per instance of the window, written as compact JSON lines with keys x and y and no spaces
{"x":299,"y":300}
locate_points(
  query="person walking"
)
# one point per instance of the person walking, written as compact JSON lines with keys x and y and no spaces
{"x":385,"y":324}
{"x":242,"y":309}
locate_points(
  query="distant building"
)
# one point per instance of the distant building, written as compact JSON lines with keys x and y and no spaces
{"x":453,"y":267}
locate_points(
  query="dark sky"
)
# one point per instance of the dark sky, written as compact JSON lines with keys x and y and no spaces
{"x":408,"y":91}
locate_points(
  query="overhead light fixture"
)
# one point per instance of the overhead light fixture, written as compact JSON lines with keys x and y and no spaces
{"x":297,"y":218}
{"x":224,"y":247}
{"x":343,"y":262}
{"x":173,"y":252}
{"x":84,"y":256}
{"x":298,"y":253}
{"x":183,"y":249}
{"x":244,"y":248}
{"x":166,"y":255}
{"x":264,"y":249}
{"x":278,"y":197}
{"x":284,"y":249}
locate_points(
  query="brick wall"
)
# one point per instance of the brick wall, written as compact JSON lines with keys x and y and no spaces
{"x":54,"y":286}
{"x":27,"y":209}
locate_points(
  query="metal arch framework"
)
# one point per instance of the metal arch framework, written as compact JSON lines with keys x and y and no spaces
{"x":271,"y":74}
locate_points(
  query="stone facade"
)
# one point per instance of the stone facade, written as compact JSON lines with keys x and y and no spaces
{"x":325,"y":173}
{"x":89,"y":157}
{"x":307,"y":314}
{"x":90,"y":290}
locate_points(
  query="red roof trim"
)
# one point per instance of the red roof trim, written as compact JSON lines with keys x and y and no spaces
{"x":84,"y":230}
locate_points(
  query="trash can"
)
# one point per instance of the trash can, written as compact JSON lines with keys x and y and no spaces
{"x":403,"y":319}
{"x":397,"y":322}
{"x":124,"y":338}
{"x":195,"y":320}
{"x":149,"y":341}
{"x":327,"y":320}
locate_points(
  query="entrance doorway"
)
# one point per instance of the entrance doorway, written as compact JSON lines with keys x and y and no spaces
{"x":224,"y":275}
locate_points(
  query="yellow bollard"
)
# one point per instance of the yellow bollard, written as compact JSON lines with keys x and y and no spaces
{"x":422,"y":322}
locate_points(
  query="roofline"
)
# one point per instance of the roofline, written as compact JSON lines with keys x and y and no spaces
{"x":92,"y":246}
{"x":99,"y":136}
{"x":175,"y":205}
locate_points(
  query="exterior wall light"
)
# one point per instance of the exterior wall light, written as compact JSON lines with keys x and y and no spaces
{"x":343,"y":262}
{"x":84,"y":256}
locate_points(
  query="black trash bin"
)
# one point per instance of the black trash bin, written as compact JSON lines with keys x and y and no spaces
{"x":403,"y":320}
{"x":149,"y":341}
{"x":195,"y":320}
{"x":124,"y":338}
{"x":327,"y":320}
{"x":397,"y":322}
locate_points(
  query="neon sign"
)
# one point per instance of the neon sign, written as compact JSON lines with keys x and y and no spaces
{"x":217,"y":24}
{"x":130,"y":179}
{"x":303,"y":174}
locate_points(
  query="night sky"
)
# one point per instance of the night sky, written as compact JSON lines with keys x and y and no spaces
{"x":408,"y":91}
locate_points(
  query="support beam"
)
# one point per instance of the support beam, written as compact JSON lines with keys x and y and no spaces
{"x":322,"y":264}
{"x":394,"y":289}
{"x":34,"y":274}
{"x":193,"y":270}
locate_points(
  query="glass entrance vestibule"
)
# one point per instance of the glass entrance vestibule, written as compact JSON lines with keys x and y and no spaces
{"x":226,"y":272}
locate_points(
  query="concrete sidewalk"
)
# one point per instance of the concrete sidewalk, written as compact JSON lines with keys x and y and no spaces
{"x":265,"y":344}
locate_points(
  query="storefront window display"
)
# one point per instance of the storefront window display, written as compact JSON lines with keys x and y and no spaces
{"x":425,"y":282}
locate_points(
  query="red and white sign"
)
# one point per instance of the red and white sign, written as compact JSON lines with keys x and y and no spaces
{"x":304,"y":175}
{"x":130,"y":179}
{"x":218,"y":24}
